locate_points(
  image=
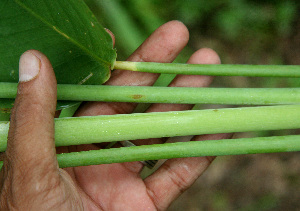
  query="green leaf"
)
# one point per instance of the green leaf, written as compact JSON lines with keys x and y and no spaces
{"x":66,"y":31}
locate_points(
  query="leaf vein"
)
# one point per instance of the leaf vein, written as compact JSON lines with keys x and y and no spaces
{"x":61,"y":33}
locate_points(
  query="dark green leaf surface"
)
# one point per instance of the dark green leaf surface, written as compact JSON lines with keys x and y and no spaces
{"x":78,"y":47}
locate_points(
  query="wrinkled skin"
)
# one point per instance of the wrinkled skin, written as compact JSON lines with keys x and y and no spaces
{"x":31,"y":179}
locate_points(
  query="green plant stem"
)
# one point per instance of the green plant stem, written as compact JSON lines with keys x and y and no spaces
{"x":183,"y":95}
{"x":96,"y":129}
{"x":122,"y":24}
{"x":189,"y":149}
{"x":181,"y":149}
{"x":70,"y":111}
{"x":211,"y":69}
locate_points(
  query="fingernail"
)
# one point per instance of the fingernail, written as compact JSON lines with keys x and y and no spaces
{"x":29,"y":67}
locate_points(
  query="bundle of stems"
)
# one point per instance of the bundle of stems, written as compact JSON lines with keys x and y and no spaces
{"x":87,"y":130}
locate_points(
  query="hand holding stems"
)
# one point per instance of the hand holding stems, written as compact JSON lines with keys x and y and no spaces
{"x":31,"y":178}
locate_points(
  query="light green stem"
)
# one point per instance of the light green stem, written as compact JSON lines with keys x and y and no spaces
{"x":70,"y":111}
{"x":181,"y":149}
{"x":121,"y":23}
{"x":189,"y":149}
{"x":186,"y":95}
{"x":212,"y":69}
{"x":96,"y":129}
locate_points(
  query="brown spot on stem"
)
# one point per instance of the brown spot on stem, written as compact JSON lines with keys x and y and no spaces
{"x":136,"y":97}
{"x":5,"y":110}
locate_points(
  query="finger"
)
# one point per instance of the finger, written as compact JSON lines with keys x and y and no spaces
{"x":30,"y":146}
{"x":162,"y":46}
{"x":176,"y":175}
{"x":202,"y":56}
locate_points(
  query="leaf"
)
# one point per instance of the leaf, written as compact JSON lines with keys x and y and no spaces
{"x":66,"y":31}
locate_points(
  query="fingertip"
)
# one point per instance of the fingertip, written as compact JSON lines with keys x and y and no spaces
{"x":175,"y":31}
{"x":46,"y":70}
{"x":180,"y":28}
{"x":37,"y":53}
{"x":164,"y":44}
{"x":29,"y":67}
{"x":205,"y":56}
{"x":45,"y":63}
{"x":202,"y":56}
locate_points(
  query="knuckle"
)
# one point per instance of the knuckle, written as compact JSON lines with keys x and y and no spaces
{"x":177,"y":178}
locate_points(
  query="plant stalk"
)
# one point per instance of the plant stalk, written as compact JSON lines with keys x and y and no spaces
{"x":179,"y":95}
{"x":181,"y":149}
{"x":211,"y":69}
{"x":109,"y":128}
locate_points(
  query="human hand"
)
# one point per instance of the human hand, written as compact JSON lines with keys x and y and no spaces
{"x":30,"y":177}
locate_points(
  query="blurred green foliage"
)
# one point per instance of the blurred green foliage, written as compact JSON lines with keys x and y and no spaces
{"x":232,"y":18}
{"x":249,"y":23}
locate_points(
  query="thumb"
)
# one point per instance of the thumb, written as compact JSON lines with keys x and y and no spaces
{"x":30,"y":146}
